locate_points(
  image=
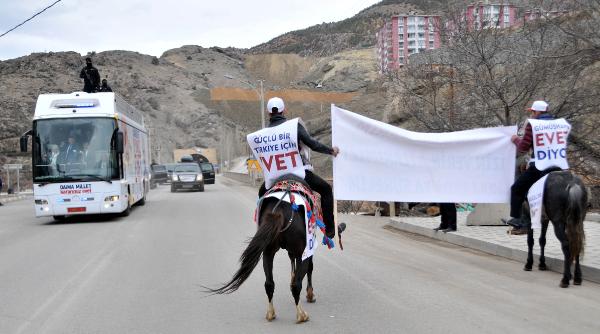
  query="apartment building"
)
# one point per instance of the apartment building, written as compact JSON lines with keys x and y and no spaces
{"x":404,"y":35}
{"x":484,"y":15}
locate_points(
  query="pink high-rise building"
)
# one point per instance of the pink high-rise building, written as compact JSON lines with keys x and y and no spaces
{"x":404,"y":35}
{"x":484,"y":15}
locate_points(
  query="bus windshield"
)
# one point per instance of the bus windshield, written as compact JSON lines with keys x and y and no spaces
{"x":74,"y":149}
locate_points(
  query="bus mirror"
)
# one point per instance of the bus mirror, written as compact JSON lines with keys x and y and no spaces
{"x":120,"y":146}
{"x":23,"y":143}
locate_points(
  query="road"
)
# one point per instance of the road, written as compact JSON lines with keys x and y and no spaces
{"x":143,"y":274}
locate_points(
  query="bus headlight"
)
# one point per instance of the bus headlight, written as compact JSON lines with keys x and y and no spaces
{"x":199,"y":177}
{"x":112,"y":198}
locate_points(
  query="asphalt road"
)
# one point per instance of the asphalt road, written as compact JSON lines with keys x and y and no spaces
{"x":143,"y":274}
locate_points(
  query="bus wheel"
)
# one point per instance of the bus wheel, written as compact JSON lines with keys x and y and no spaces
{"x":59,"y":218}
{"x":142,"y":201}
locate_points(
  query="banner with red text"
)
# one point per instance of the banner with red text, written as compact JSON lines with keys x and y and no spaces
{"x":277,"y":152}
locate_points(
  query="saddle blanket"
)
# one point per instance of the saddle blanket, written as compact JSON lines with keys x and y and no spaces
{"x":535,"y":197}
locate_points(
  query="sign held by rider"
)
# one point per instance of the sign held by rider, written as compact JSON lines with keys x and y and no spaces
{"x":276,"y":150}
{"x":550,"y":143}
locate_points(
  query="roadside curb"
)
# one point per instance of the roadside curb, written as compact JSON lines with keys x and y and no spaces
{"x":593,"y":217}
{"x":589,"y":273}
{"x":13,"y":198}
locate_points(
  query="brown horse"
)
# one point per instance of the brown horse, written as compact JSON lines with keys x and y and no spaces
{"x":565,"y":205}
{"x":279,"y":226}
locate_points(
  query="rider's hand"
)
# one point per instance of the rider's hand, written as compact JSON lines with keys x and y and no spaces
{"x":514,"y":138}
{"x":336,"y":151}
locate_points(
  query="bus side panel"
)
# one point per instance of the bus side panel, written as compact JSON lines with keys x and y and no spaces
{"x":135,"y":163}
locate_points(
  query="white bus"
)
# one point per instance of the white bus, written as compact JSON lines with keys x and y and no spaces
{"x":90,"y":155}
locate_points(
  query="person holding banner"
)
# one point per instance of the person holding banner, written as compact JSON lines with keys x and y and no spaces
{"x":548,"y":138}
{"x":277,"y":148}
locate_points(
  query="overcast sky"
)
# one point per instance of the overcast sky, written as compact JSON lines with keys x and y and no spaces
{"x":154,"y":26}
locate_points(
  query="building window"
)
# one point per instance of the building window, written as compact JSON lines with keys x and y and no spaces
{"x":411,"y":35}
{"x":431,"y":45}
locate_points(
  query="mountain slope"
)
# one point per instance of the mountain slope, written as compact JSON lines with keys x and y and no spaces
{"x":358,"y":31}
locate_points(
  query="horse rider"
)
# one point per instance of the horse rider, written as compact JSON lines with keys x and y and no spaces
{"x":542,"y":136}
{"x":276,"y":109}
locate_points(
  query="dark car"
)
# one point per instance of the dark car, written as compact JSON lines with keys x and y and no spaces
{"x":169,"y":171}
{"x":187,"y":176}
{"x":208,"y":171}
{"x":159,"y":174}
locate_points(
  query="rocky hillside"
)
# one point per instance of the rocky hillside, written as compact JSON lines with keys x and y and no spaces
{"x":161,"y":89}
{"x":174,"y":91}
{"x":327,"y":39}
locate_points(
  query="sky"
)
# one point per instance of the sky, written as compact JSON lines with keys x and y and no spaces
{"x":154,"y":26}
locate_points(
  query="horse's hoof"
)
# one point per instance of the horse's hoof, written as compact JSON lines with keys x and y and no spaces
{"x":577,"y":281}
{"x":270,"y":316}
{"x":310,"y":296}
{"x":564,"y":285}
{"x":542,"y":267}
{"x":302,"y":317}
{"x":527,"y":268}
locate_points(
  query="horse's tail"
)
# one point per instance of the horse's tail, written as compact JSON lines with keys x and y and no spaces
{"x":265,"y":235}
{"x":575,"y":216}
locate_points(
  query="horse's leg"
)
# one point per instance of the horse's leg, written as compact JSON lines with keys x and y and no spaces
{"x":578,"y":278}
{"x":559,"y":231}
{"x":310,"y":295}
{"x":268,"y":257}
{"x":530,"y":242}
{"x":542,"y":265}
{"x":296,"y":287}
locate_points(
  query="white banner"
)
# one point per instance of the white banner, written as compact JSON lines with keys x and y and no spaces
{"x":380,"y":162}
{"x":535,"y":197}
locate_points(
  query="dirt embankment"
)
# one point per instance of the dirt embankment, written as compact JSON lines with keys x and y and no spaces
{"x":279,"y":69}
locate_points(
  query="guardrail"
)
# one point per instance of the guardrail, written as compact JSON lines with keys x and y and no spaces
{"x":252,"y":179}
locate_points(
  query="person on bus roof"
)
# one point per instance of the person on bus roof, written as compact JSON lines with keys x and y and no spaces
{"x":105,"y":88}
{"x":90,"y":76}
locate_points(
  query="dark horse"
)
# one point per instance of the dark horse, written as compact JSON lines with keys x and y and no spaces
{"x":278,"y":227}
{"x":565,"y":205}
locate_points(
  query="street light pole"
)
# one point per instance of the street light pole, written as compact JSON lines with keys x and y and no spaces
{"x":262,"y":104}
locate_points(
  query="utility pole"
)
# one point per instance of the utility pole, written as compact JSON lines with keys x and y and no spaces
{"x":262,"y":104}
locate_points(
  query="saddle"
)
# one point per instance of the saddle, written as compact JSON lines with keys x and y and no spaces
{"x":294,"y":185}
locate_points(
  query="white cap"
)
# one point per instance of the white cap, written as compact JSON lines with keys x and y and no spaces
{"x":539,"y":106}
{"x":275,"y":102}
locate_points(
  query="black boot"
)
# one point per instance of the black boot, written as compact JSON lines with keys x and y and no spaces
{"x":451,"y":228}
{"x":515,"y":222}
{"x":441,"y":227}
{"x":341,"y":228}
